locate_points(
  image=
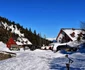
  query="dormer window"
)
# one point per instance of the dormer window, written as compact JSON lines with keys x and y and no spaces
{"x":72,"y":34}
{"x":80,"y":34}
{"x":26,"y":42}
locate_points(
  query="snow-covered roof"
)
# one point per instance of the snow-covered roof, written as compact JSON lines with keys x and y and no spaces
{"x":23,"y":41}
{"x":76,"y":32}
{"x":19,"y":43}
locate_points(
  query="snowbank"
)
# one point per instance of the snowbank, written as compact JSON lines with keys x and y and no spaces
{"x":3,"y":47}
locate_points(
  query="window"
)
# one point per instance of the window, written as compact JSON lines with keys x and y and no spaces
{"x":73,"y":34}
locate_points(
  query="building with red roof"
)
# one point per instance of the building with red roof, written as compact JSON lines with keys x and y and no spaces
{"x":10,"y":42}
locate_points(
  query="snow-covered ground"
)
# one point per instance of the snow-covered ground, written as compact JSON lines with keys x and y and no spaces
{"x":3,"y":47}
{"x":42,"y":60}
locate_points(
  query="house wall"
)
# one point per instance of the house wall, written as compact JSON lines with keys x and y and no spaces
{"x":66,"y":38}
{"x":15,"y":47}
{"x":63,"y":37}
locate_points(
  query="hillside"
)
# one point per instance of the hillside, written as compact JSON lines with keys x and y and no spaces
{"x":20,"y":34}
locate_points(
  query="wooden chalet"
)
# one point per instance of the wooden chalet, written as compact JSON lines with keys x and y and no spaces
{"x":69,"y":34}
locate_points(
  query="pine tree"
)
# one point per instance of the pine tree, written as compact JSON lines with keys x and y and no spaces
{"x":30,"y":30}
{"x":35,"y":32}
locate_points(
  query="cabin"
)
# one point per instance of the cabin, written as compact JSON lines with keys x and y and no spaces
{"x":69,"y":34}
{"x":21,"y":43}
{"x":11,"y":44}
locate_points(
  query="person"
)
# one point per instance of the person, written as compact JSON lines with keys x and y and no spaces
{"x":70,"y":60}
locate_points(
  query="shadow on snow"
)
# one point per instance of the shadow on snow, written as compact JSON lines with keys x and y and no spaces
{"x":60,"y":64}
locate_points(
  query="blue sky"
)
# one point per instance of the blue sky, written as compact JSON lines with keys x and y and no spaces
{"x":45,"y":16}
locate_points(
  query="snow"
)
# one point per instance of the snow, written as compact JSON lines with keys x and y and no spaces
{"x":3,"y":47}
{"x":17,"y":31}
{"x":68,"y":32}
{"x":70,"y":44}
{"x":51,"y":39}
{"x":26,"y":40}
{"x":19,"y":43}
{"x":43,"y":60}
{"x":75,"y":43}
{"x":23,"y":41}
{"x":5,"y":25}
{"x":11,"y":27}
{"x":29,"y":60}
{"x":78,"y":63}
{"x":76,"y":31}
{"x":55,"y":45}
